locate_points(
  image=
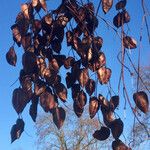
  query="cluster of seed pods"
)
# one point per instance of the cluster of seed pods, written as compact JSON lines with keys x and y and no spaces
{"x":40,"y":81}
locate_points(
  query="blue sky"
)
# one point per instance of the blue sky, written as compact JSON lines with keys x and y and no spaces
{"x":9,"y":74}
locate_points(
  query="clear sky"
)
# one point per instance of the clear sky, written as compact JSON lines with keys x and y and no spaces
{"x":9,"y":74}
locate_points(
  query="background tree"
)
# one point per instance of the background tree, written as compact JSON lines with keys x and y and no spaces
{"x":137,"y":134}
{"x":76,"y":134}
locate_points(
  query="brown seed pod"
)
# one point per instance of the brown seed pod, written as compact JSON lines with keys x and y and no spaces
{"x":27,"y":10}
{"x":70,"y":79}
{"x":36,"y":5}
{"x":93,"y":106}
{"x":83,"y":77}
{"x":141,"y":101}
{"x":36,"y":26}
{"x":11,"y":56}
{"x":104,"y":75}
{"x":56,"y":45}
{"x":61,"y":91}
{"x":117,"y":128}
{"x":19,"y":100}
{"x":121,"y":4}
{"x":33,"y":109}
{"x":69,"y":62}
{"x":29,"y":62}
{"x":119,"y":145}
{"x":26,"y":84}
{"x":59,"y":116}
{"x":22,"y":23}
{"x":48,"y":101}
{"x":16,"y":34}
{"x":106,"y":5}
{"x":78,"y":111}
{"x":62,"y":20}
{"x":17,"y":130}
{"x":129,"y":42}
{"x":76,"y":67}
{"x":108,"y":116}
{"x":97,"y":43}
{"x":69,"y":37}
{"x":75,"y":91}
{"x":26,"y":41}
{"x":81,"y":99}
{"x":114,"y":101}
{"x":90,"y":87}
{"x":39,"y":87}
{"x":43,"y":5}
{"x":102,"y":134}
{"x":121,"y":18}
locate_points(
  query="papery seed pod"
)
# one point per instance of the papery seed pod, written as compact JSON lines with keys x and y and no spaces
{"x":29,"y":62}
{"x":61,"y":91}
{"x":69,"y":62}
{"x":81,"y":99}
{"x":93,"y":106}
{"x":77,"y":32}
{"x":104,"y":75}
{"x":126,"y":16}
{"x":101,"y":61}
{"x":121,"y":4}
{"x":117,"y":20}
{"x":16,"y":34}
{"x":77,"y":45}
{"x":13,"y":133}
{"x":26,"y":41}
{"x":121,"y":18}
{"x":27,"y":10}
{"x":19,"y":100}
{"x":102,"y":134}
{"x":106,"y":5}
{"x":11,"y":56}
{"x":90,"y":87}
{"x":22,"y":23}
{"x":43,"y":5}
{"x":36,"y":5}
{"x":83,"y":77}
{"x":56,"y":45}
{"x":70,"y":79}
{"x":108,"y":116}
{"x":33,"y":109}
{"x":97,"y":43}
{"x":141,"y":101}
{"x":48,"y":101}
{"x":48,"y":19}
{"x":60,"y":34}
{"x":119,"y":145}
{"x":17,"y":130}
{"x":26,"y":84}
{"x":36,"y":26}
{"x":104,"y":102}
{"x":117,"y":128}
{"x":114,"y":101}
{"x":76,"y":67}
{"x":75,"y":91}
{"x":60,"y":59}
{"x":59,"y":116}
{"x":69,"y":37}
{"x":78,"y":111}
{"x":39,"y":87}
{"x":129,"y":42}
{"x":20,"y":124}
{"x":62,"y":20}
